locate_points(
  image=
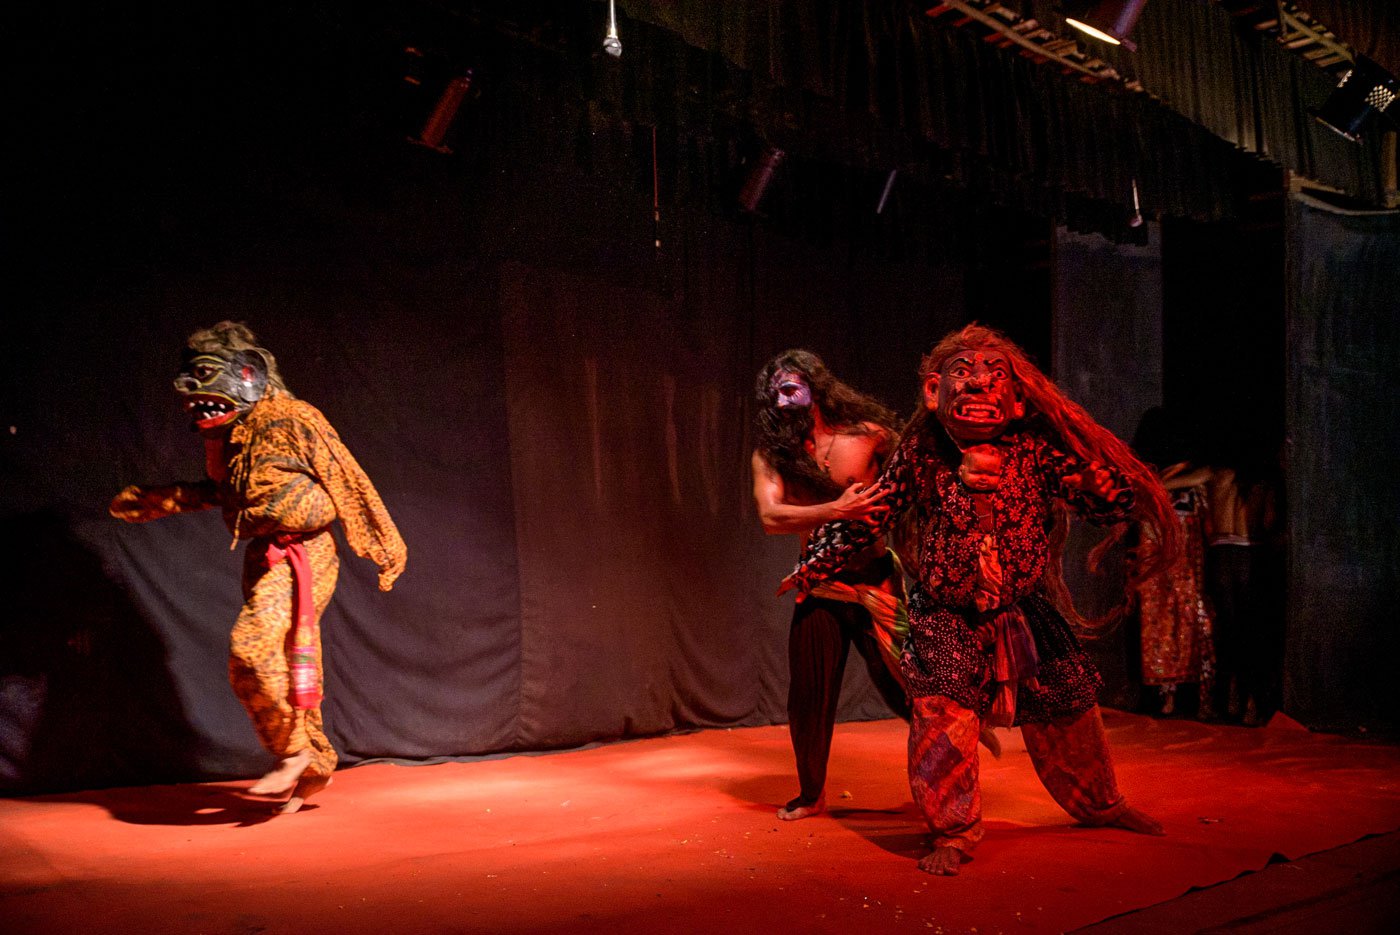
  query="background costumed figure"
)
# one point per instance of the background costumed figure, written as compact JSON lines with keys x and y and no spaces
{"x":988,"y":468}
{"x":281,"y":476}
{"x":1175,"y":621}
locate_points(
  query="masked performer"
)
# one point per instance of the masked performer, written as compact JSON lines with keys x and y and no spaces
{"x":281,"y":476}
{"x":987,"y":468}
{"x":820,"y":446}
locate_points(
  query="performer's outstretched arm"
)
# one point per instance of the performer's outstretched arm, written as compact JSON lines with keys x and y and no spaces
{"x":779,"y":517}
{"x":1097,"y":492}
{"x":142,"y":503}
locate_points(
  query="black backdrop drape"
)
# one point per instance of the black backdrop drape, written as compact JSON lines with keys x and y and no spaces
{"x":555,"y":413}
{"x":1108,"y":356}
{"x":1341,"y":463}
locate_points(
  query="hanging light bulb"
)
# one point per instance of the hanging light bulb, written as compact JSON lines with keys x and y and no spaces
{"x":611,"y":44}
{"x":1109,"y":20}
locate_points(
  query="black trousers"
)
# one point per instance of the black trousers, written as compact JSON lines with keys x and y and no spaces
{"x":1246,"y":591}
{"x":820,"y":640}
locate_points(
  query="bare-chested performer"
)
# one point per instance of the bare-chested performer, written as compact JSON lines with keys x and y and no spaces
{"x":820,"y":446}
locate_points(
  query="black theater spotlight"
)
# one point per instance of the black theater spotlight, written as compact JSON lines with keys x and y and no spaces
{"x":1109,"y":20}
{"x":435,"y":128}
{"x":1365,"y":92}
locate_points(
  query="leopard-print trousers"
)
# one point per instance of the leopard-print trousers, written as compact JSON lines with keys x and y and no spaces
{"x":259,"y":646}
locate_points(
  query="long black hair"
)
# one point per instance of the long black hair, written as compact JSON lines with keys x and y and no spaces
{"x":781,"y":433}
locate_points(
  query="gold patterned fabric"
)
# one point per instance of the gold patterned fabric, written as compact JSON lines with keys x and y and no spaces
{"x":288,"y":471}
{"x":259,"y":667}
{"x":281,"y":478}
{"x":1177,"y":624}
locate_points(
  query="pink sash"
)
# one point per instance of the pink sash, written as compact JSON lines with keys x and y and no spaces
{"x":302,"y":669}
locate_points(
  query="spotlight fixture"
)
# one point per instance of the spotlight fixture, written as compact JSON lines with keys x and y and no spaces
{"x":759,"y":178}
{"x":444,"y":112}
{"x":1109,"y":20}
{"x":1365,"y":91}
{"x":611,"y":44}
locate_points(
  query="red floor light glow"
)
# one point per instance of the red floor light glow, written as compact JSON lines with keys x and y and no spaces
{"x":677,"y":834}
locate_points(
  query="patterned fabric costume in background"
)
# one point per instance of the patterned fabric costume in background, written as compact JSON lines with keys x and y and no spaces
{"x":1176,"y":623}
{"x":819,"y":445}
{"x":281,"y":476}
{"x":987,"y":469}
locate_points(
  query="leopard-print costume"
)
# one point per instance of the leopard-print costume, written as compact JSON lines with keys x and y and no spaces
{"x":260,"y":643}
{"x":282,"y":476}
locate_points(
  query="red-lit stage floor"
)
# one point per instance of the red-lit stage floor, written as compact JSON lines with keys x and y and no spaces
{"x":677,"y":834}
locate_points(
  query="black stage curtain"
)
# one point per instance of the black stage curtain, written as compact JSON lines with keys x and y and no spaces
{"x":1108,"y":354}
{"x":1248,"y":90}
{"x":1342,"y":460}
{"x":555,"y":411}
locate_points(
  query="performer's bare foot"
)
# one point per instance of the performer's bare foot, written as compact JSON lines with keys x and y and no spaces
{"x":284,"y":776}
{"x":306,"y":788}
{"x":796,"y":811}
{"x":991,"y":742}
{"x":1134,"y":820}
{"x":942,"y":862}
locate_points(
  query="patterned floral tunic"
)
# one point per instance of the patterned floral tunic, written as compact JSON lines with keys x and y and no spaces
{"x":1177,"y":624}
{"x":958,"y":533}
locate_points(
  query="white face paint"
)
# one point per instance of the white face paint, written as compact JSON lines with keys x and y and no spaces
{"x":790,"y":390}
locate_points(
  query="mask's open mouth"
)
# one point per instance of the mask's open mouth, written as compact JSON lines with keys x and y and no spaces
{"x":976,"y":410}
{"x":207,"y":412}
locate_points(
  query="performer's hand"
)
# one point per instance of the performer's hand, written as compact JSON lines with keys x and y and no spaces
{"x":1095,"y":479}
{"x":862,"y":502}
{"x":387,"y":576}
{"x":792,"y":582}
{"x":139,"y":504}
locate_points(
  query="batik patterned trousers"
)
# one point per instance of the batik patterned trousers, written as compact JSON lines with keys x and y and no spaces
{"x":260,"y":646}
{"x":1070,"y":755}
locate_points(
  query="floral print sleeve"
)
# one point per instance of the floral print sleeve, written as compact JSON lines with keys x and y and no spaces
{"x":834,"y":544}
{"x":1072,"y":480}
